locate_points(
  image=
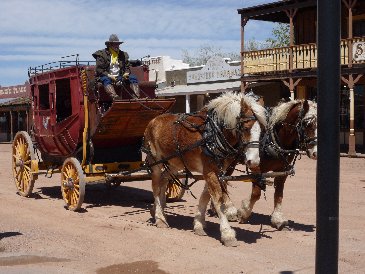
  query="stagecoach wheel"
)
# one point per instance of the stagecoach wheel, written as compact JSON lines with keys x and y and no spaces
{"x":72,"y":184}
{"x":174,"y":192}
{"x":23,"y":154}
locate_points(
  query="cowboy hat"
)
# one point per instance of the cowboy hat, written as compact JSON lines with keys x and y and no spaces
{"x":113,"y":39}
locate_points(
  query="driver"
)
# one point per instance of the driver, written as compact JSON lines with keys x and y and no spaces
{"x":112,"y":65}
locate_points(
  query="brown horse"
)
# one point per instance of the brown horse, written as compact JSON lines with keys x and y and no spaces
{"x":292,"y":126}
{"x":225,"y":131}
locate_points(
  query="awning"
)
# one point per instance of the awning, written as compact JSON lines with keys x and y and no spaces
{"x":198,"y":89}
{"x":14,"y":101}
{"x":202,"y":88}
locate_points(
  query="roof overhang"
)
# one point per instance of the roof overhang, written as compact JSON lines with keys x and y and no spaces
{"x":275,"y":11}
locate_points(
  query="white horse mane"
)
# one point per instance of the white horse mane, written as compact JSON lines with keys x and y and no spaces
{"x":228,"y":107}
{"x":280,"y":112}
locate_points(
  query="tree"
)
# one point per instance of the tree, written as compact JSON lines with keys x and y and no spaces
{"x":202,"y":55}
{"x":281,"y":36}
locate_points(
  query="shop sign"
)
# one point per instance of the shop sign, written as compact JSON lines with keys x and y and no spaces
{"x":13,"y":91}
{"x":216,"y":69}
{"x":358,"y":51}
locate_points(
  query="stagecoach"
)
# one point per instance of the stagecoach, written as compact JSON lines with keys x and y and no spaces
{"x":79,"y":132}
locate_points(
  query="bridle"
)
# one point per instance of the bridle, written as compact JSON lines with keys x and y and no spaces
{"x":304,"y":142}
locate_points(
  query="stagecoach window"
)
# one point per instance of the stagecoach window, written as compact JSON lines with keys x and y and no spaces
{"x":63,"y":99}
{"x":43,"y":97}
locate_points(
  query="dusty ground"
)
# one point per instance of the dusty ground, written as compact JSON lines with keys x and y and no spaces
{"x":114,"y":233}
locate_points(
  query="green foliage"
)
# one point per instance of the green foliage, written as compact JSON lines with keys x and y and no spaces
{"x":281,"y":36}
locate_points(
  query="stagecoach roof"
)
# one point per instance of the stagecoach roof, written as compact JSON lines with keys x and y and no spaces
{"x":202,"y":88}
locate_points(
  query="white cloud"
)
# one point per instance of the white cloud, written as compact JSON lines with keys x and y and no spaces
{"x":40,"y":31}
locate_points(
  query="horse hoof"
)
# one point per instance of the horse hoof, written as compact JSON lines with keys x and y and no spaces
{"x":242,"y":216}
{"x":281,"y":226}
{"x":232,"y":218}
{"x":278,"y":221}
{"x":161,"y":224}
{"x":200,"y":232}
{"x":152,"y":212}
{"x":231,"y":243}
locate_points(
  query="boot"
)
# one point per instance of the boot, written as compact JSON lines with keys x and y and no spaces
{"x":109,"y":89}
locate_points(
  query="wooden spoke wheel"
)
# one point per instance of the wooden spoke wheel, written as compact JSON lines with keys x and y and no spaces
{"x":23,"y":154}
{"x":72,"y":184}
{"x":174,"y":192}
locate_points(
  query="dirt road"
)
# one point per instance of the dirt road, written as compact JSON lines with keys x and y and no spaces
{"x":115,"y":234}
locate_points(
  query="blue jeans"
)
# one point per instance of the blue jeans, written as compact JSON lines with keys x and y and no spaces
{"x":107,"y":81}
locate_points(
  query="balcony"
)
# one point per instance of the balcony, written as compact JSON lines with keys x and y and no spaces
{"x":298,"y":57}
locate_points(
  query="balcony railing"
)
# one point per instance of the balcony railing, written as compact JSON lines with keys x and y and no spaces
{"x":296,"y":57}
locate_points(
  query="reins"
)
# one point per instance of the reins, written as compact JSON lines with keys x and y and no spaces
{"x":214,"y":144}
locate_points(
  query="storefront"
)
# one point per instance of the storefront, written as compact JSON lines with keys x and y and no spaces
{"x":15,"y":111}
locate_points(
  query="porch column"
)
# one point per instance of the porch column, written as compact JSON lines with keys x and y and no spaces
{"x":350,"y":4}
{"x":352,"y":138}
{"x":11,"y":126}
{"x":244,"y":21}
{"x":291,"y":13}
{"x":27,"y":119}
{"x":200,"y":101}
{"x":187,"y":103}
{"x":291,"y":85}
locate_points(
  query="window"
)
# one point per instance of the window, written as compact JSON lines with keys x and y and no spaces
{"x":43,"y":97}
{"x":63,"y":99}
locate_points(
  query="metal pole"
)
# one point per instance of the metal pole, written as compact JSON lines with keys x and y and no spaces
{"x":328,"y":163}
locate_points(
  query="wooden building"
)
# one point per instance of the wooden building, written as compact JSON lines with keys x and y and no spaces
{"x":15,"y":111}
{"x":295,"y":66}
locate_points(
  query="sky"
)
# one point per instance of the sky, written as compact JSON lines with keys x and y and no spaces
{"x":36,"y":32}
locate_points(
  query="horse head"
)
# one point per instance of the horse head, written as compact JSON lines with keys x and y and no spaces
{"x":307,"y":129}
{"x":242,"y":119}
{"x":252,"y":121}
{"x":293,"y":125}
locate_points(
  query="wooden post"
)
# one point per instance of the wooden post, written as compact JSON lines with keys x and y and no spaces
{"x":11,"y":126}
{"x":351,"y":84}
{"x":291,"y":85}
{"x":350,"y":4}
{"x":243,"y":24}
{"x":328,"y":163}
{"x":27,"y":119}
{"x":291,"y":13}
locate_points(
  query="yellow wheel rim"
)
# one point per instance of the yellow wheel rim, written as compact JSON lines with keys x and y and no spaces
{"x":22,"y":159}
{"x":72,"y":184}
{"x":174,"y":192}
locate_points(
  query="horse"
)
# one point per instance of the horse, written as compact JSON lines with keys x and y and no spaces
{"x":224,"y":132}
{"x":291,"y":126}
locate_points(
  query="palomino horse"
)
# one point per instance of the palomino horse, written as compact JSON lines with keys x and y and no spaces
{"x":292,"y":126}
{"x":226,"y":130}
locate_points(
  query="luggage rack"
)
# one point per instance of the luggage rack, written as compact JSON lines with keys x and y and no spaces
{"x":58,"y":64}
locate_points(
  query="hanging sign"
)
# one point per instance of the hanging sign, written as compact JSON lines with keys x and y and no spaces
{"x":358,"y":51}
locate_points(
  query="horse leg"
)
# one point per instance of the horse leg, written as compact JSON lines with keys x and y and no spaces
{"x":228,"y":235}
{"x":229,"y":209}
{"x":158,"y":181}
{"x":247,"y":205}
{"x":277,"y":218}
{"x":199,"y":220}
